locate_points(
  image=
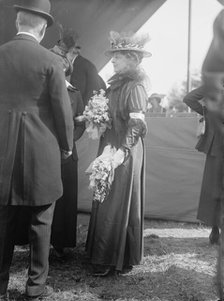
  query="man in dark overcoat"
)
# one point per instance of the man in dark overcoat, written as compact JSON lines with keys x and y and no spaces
{"x":211,"y":144}
{"x":84,"y":76}
{"x":36,"y":130}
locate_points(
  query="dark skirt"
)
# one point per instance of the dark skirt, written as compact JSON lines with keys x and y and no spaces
{"x":209,"y":205}
{"x":65,"y":215}
{"x":115,"y":236}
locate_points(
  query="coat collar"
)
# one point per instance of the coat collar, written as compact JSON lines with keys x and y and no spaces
{"x":24,"y":36}
{"x":118,"y":80}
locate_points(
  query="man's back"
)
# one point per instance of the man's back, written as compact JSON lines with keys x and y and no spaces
{"x":25,"y":66}
{"x":36,"y":132}
{"x":35,"y":122}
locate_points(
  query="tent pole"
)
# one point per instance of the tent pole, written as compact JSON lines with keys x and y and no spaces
{"x":188,"y":88}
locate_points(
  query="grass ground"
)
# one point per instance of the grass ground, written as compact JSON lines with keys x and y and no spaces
{"x":179,"y":265}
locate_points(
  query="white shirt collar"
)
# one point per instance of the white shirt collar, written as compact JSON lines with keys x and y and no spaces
{"x":28,"y":34}
{"x":74,"y":59}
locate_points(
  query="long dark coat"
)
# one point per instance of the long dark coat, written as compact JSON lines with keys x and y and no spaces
{"x":85,"y":78}
{"x":115,"y":235}
{"x":65,"y":213}
{"x":210,"y":143}
{"x":35,"y":122}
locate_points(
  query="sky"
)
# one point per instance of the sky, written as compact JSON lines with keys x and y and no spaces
{"x":168,"y":29}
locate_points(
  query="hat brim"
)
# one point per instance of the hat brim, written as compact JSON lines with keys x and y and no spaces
{"x":143,"y":52}
{"x":157,"y":96}
{"x":48,"y":17}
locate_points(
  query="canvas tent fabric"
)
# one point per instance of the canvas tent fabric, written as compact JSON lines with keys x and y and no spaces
{"x":174,"y":169}
{"x":92,"y":19}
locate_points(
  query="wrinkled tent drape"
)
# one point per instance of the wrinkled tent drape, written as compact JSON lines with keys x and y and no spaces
{"x":93,"y":20}
{"x":173,"y":169}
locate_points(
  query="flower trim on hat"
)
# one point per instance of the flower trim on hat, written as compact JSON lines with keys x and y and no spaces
{"x":128,"y":41}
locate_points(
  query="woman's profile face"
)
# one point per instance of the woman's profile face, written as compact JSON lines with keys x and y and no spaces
{"x":120,"y":62}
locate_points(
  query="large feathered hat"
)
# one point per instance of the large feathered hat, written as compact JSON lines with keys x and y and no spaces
{"x":38,"y":7}
{"x":128,"y":42}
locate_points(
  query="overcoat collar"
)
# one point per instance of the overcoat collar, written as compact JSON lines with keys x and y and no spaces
{"x":25,"y":37}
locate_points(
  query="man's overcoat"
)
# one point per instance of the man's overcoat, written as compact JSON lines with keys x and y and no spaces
{"x":35,"y":123}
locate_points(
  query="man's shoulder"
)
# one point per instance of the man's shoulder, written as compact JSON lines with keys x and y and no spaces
{"x":45,"y":56}
{"x":47,"y":53}
{"x":30,"y":47}
{"x":82,"y":61}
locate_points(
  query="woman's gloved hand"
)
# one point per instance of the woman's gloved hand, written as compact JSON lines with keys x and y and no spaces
{"x":118,"y":158}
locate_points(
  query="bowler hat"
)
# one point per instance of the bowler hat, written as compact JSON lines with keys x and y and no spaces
{"x":38,"y":7}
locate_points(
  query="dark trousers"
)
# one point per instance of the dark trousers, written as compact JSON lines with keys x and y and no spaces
{"x":39,"y":239}
{"x":65,"y":214}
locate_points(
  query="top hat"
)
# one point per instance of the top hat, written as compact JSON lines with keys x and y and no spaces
{"x":128,"y":42}
{"x":38,"y":7}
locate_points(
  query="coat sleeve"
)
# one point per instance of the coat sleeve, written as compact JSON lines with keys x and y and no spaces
{"x":136,"y":106}
{"x":213,"y":65}
{"x":79,"y":128}
{"x":78,"y":77}
{"x":92,"y":81}
{"x":192,"y":100}
{"x":61,"y":106}
{"x":214,"y":59}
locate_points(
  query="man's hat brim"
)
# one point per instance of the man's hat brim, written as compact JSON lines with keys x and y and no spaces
{"x":48,"y":17}
{"x":145,"y":53}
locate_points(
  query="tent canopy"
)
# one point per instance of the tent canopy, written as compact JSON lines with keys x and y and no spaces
{"x":92,"y":19}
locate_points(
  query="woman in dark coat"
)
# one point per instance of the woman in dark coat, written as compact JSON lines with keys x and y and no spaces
{"x":211,"y":144}
{"x":115,"y":236}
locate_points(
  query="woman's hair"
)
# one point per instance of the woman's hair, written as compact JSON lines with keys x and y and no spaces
{"x":134,"y":56}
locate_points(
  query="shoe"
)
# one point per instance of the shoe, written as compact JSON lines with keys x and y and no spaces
{"x":58,"y":252}
{"x":102,"y":271}
{"x":127,"y":269}
{"x":47,"y":292}
{"x":214,"y":235}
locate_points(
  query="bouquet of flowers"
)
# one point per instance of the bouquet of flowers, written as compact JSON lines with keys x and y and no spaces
{"x":96,"y":115}
{"x":102,"y":174}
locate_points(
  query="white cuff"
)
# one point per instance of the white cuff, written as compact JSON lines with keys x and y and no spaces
{"x":137,"y":116}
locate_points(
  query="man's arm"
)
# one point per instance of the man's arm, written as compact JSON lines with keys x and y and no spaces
{"x":193,"y":99}
{"x":61,"y":106}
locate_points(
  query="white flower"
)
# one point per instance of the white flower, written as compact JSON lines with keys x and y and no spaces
{"x":97,"y":115}
{"x":102,"y":174}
